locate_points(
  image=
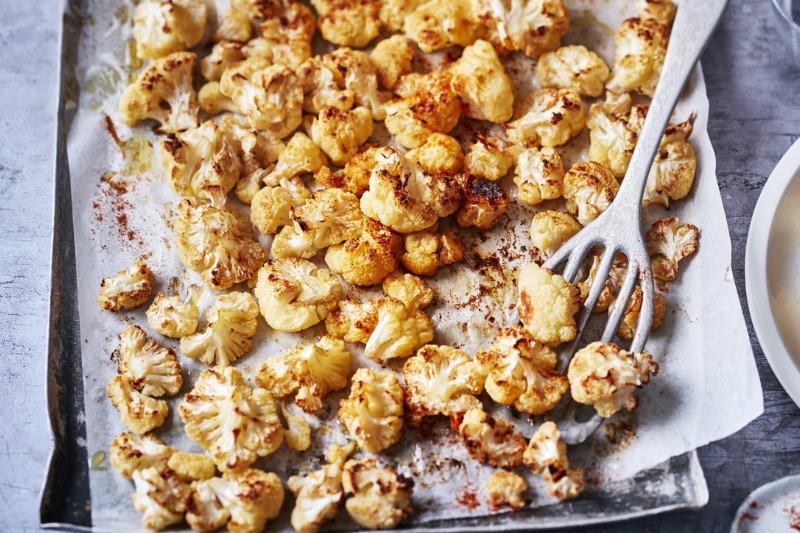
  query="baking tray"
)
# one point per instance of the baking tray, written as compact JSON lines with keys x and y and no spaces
{"x":65,"y":498}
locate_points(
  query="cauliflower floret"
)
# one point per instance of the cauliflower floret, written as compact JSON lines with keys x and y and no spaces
{"x":630,"y":319}
{"x":354,"y":177}
{"x":661,"y":10}
{"x":160,"y":496}
{"x":259,"y":150}
{"x":224,"y":54}
{"x":549,"y":117}
{"x":399,"y":332}
{"x":521,"y":372}
{"x":294,"y":295}
{"x":212,"y":101}
{"x":435,"y":25}
{"x":573,"y":67}
{"x":216,"y":242}
{"x":162,"y":27}
{"x":394,"y":13}
{"x":234,"y":423}
{"x":547,"y":305}
{"x":506,"y":488}
{"x":441,"y":380}
{"x":671,"y":243}
{"x":426,"y":252}
{"x":539,"y":175}
{"x":441,"y":154}
{"x":353,"y":322}
{"x":354,"y":71}
{"x":340,"y":133}
{"x":300,"y":156}
{"x":605,"y":375}
{"x":263,"y":9}
{"x":321,"y":88}
{"x":373,"y":413}
{"x":163,"y":91}
{"x":139,"y":413}
{"x":589,"y":189}
{"x":128,"y":289}
{"x":481,"y":81}
{"x":547,"y":454}
{"x":639,"y":56}
{"x":392,"y":59}
{"x":409,"y":289}
{"x":348,"y":22}
{"x":153,"y":370}
{"x":486,"y":159}
{"x":491,"y":440}
{"x":298,"y":430}
{"x":615,"y":279}
{"x":380,"y":496}
{"x":614,"y":139}
{"x":285,"y":40}
{"x":192,"y":466}
{"x":271,"y":207}
{"x":533,"y":26}
{"x":130,"y":452}
{"x":428,"y":105}
{"x":311,"y":371}
{"x":319,"y":493}
{"x":234,"y":26}
{"x":367,"y":259}
{"x":551,"y":229}
{"x":232,"y":320}
{"x":170,"y":317}
{"x":672,"y":174}
{"x":484,"y":203}
{"x":292,"y":241}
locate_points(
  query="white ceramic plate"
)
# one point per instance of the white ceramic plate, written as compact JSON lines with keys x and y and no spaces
{"x":772,"y":508}
{"x":772,"y":271}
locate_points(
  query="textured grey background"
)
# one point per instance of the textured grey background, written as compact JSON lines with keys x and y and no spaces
{"x":755,"y":117}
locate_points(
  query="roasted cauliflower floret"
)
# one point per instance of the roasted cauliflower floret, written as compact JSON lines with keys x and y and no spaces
{"x":331,"y":216}
{"x":264,"y":9}
{"x":348,"y":22}
{"x":506,"y":488}
{"x":300,"y":156}
{"x":354,"y":177}
{"x":539,"y":175}
{"x":604,"y":375}
{"x":353,"y":322}
{"x":379,"y":497}
{"x":589,"y":189}
{"x":615,"y":279}
{"x":426,"y":252}
{"x":131,"y":452}
{"x":298,"y":430}
{"x":549,"y":118}
{"x":367,"y":259}
{"x":223,"y":54}
{"x":399,"y":331}
{"x":354,"y":71}
{"x":285,"y":40}
{"x":491,"y":440}
{"x":672,"y":174}
{"x":139,"y":413}
{"x":163,"y":91}
{"x":551,"y":229}
{"x":670,"y":242}
{"x":614,"y":139}
{"x":153,"y":370}
{"x":234,"y":423}
{"x":271,"y":207}
{"x":488,"y":159}
{"x":547,"y":305}
{"x":292,"y":241}
{"x":373,"y":413}
{"x":259,"y":151}
{"x":639,"y":56}
{"x":573,"y":67}
{"x":162,"y":27}
{"x":532,"y":26}
{"x":212,"y":101}
{"x":630,"y":319}
{"x":441,"y":154}
{"x":192,"y":466}
{"x":409,"y":289}
{"x":392,"y":59}
{"x":547,"y":454}
{"x":435,"y":25}
{"x":662,"y":11}
{"x":394,"y":12}
{"x":160,"y":496}
{"x":171,"y":317}
{"x":234,"y":26}
{"x":340,"y":133}
{"x":128,"y":289}
{"x":521,"y":372}
{"x":441,"y":380}
{"x":294,"y":295}
{"x":321,"y":88}
{"x":481,"y":81}
{"x":484,"y":203}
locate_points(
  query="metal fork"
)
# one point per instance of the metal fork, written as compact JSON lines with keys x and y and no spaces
{"x":618,"y":229}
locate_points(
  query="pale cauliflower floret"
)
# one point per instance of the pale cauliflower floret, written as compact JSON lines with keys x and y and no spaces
{"x":373,"y":413}
{"x":285,"y":40}
{"x":153,"y":370}
{"x":232,"y":320}
{"x":171,"y":317}
{"x":441,"y":154}
{"x":521,"y":372}
{"x":264,"y":9}
{"x":234,"y":26}
{"x":409,"y":289}
{"x":128,"y":289}
{"x":573,"y":67}
{"x":491,"y":440}
{"x":435,"y":25}
{"x":212,"y":101}
{"x":340,"y":133}
{"x":321,"y":88}
{"x":549,"y":117}
{"x":271,"y":208}
{"x":224,"y":54}
{"x":604,"y":375}
{"x":441,"y":380}
{"x":292,"y":241}
{"x":539,"y":175}
{"x":399,"y":332}
{"x":506,"y":488}
{"x":192,"y":466}
{"x":484,"y":203}
{"x":617,"y":104}
{"x":671,"y":242}
{"x":368,"y":258}
{"x":394,"y":13}
{"x":479,"y":78}
{"x":298,"y":430}
{"x":533,"y":26}
{"x":488,"y":159}
{"x":234,"y":423}
{"x":311,"y":371}
{"x":354,"y":71}
{"x":353,"y":322}
{"x":639,"y":56}
{"x":547,"y":454}
{"x":160,"y":496}
{"x":630,"y":319}
{"x":139,"y":413}
{"x":162,"y":27}
{"x":319,"y":493}
{"x":300,"y":156}
{"x":294,"y":295}
{"x":259,"y":150}
{"x":614,"y":139}
{"x":348,"y":22}
{"x":163,"y":91}
{"x":379,"y":496}
{"x":672,"y":174}
{"x":661,"y":10}
{"x":392,"y":59}
{"x":426,"y":252}
{"x":204,"y":512}
{"x":130,"y":452}
{"x":589,"y":189}
{"x":547,"y":305}
{"x":551,"y":229}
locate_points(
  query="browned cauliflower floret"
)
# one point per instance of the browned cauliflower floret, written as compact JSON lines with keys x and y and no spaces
{"x":139,"y":413}
{"x":354,"y":71}
{"x":394,"y":12}
{"x":300,"y":156}
{"x":435,"y":25}
{"x":216,"y":242}
{"x":212,"y":101}
{"x":613,"y":139}
{"x":547,"y":305}
{"x":298,"y":430}
{"x":259,"y":150}
{"x":427,"y":105}
{"x":409,"y":289}
{"x":153,"y":370}
{"x":232,"y":320}
{"x":224,"y":54}
{"x":506,"y":488}
{"x":285,"y":40}
{"x":426,"y":252}
{"x":488,"y":159}
{"x":367,"y":259}
{"x":673,"y":172}
{"x":348,"y":22}
{"x":392,"y":59}
{"x":271,"y":207}
{"x":264,"y":9}
{"x":615,"y":279}
{"x":627,"y":328}
{"x":639,"y":56}
{"x":353,"y":322}
{"x":547,"y":454}
{"x":491,"y":440}
{"x":234,"y":423}
{"x":551,"y":229}
{"x":549,"y":117}
{"x":321,"y":88}
{"x":128,"y":289}
{"x":330,"y":216}
{"x":339,"y":133}
{"x":533,"y":26}
{"x":163,"y":91}
{"x":162,"y":27}
{"x":233,"y":26}
{"x":661,"y":10}
{"x":294,"y":295}
{"x":131,"y":452}
{"x":484,"y":203}
{"x":379,"y":497}
{"x":539,"y":175}
{"x":311,"y":371}
{"x":192,"y":466}
{"x":441,"y":380}
{"x":441,"y":154}
{"x":671,"y":242}
{"x":521,"y":372}
{"x":589,"y":189}
{"x":373,"y":413}
{"x":481,"y":81}
{"x":399,"y":331}
{"x":160,"y":496}
{"x":354,"y":177}
{"x":573,"y":67}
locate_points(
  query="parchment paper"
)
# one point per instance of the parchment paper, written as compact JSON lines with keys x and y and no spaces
{"x":707,"y":386}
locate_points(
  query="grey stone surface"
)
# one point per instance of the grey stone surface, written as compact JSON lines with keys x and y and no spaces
{"x":755,"y":117}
